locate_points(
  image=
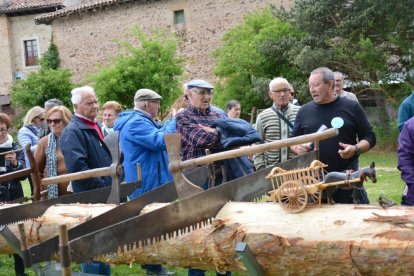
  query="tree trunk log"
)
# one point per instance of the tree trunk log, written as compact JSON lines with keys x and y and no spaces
{"x":47,"y":226}
{"x":332,"y":240}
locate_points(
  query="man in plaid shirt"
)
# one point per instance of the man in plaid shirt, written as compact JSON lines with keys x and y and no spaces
{"x":194,"y":123}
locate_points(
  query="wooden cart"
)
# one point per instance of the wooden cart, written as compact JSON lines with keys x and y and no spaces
{"x":295,"y":189}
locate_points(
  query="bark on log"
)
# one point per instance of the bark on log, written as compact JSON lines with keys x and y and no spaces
{"x":338,"y":240}
{"x":332,"y":240}
{"x":40,"y":229}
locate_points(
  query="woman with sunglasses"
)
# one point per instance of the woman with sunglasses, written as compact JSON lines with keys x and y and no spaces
{"x":48,"y":156}
{"x":28,"y":134}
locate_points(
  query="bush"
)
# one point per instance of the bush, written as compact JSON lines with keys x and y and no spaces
{"x":152,"y":65}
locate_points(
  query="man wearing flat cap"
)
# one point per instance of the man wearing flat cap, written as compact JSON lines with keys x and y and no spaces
{"x":197,"y":134}
{"x":142,"y":141}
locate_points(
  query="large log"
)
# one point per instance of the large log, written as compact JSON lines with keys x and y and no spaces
{"x":40,"y":229}
{"x":339,"y":240}
{"x":332,"y":240}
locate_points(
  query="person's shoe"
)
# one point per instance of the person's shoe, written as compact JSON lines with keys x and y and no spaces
{"x":162,"y":271}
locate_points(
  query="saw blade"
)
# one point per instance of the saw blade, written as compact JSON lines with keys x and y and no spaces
{"x":178,"y":217}
{"x":163,"y":194}
{"x":33,"y":210}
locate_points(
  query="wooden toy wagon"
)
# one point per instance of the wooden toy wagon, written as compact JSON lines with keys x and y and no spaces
{"x":295,"y":189}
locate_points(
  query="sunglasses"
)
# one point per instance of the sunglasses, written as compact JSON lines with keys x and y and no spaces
{"x":55,"y":121}
{"x":41,"y":119}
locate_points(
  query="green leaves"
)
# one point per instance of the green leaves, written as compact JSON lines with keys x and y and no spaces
{"x":147,"y":62}
{"x":50,"y":82}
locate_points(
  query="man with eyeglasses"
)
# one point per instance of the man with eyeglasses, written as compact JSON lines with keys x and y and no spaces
{"x":197,"y":134}
{"x":142,"y":141}
{"x":276,"y":123}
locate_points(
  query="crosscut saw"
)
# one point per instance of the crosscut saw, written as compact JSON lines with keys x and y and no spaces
{"x":111,"y":194}
{"x":163,"y":194}
{"x":178,"y":217}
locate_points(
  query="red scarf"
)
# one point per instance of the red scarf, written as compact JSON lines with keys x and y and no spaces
{"x":94,"y":125}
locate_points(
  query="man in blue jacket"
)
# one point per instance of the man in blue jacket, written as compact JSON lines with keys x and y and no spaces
{"x":142,"y":141}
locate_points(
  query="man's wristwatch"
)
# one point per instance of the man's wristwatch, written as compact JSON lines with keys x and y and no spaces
{"x":357,"y":150}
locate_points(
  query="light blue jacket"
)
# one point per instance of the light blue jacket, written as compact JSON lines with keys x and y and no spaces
{"x":142,"y":142}
{"x":26,"y":136}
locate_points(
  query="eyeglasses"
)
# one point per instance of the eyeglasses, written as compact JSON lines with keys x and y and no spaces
{"x":156,"y":102}
{"x":40,"y":119}
{"x":55,"y":121}
{"x":4,"y":129}
{"x":284,"y":90}
{"x":202,"y":91}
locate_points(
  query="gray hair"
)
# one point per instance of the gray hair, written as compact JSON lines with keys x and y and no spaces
{"x":278,"y":80}
{"x":232,"y":103}
{"x":77,"y":93}
{"x":52,"y":103}
{"x":327,"y":74}
{"x":340,"y":74}
{"x":140,"y":105}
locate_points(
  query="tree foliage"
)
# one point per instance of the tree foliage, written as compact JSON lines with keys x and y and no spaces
{"x":153,"y":64}
{"x":51,"y":59}
{"x":49,"y":82}
{"x":368,"y":40}
{"x":244,"y":63}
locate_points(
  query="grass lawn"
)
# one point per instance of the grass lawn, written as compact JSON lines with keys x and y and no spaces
{"x":389,"y":184}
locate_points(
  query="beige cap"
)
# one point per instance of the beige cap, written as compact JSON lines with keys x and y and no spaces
{"x":146,"y":95}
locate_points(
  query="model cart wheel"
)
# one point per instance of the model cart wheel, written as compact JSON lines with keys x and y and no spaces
{"x":292,"y":196}
{"x":312,"y":189}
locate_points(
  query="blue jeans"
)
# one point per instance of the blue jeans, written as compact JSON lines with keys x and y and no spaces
{"x":200,"y":272}
{"x":96,"y":268}
{"x":152,"y":267}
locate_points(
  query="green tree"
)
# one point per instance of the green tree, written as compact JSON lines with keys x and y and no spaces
{"x":368,"y":40}
{"x":153,"y":64}
{"x":244,"y":64}
{"x":51,"y":59}
{"x":49,"y":82}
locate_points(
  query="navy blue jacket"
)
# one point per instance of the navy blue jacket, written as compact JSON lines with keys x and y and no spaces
{"x":83,"y":150}
{"x":235,"y":132}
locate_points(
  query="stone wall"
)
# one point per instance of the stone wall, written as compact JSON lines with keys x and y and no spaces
{"x":13,"y":32}
{"x":88,"y":38}
{"x":6,"y":75}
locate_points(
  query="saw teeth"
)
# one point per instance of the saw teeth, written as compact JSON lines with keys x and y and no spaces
{"x":171,"y":235}
{"x":19,"y":221}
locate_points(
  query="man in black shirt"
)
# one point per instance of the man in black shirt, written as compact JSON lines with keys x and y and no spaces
{"x":355,"y":132}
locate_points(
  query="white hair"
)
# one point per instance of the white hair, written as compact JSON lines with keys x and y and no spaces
{"x":278,"y":80}
{"x":77,"y":93}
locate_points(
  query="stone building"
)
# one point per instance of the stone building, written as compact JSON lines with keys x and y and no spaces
{"x":22,"y":41}
{"x":86,"y":34}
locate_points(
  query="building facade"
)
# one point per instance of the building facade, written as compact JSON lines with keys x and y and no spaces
{"x":87,"y":34}
{"x":22,"y":42}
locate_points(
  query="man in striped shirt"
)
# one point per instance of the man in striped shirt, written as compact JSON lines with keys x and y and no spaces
{"x":276,"y":123}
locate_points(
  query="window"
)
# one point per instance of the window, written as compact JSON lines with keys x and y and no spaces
{"x":31,"y":53}
{"x":179,"y":17}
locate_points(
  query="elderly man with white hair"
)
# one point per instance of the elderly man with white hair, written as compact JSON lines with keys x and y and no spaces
{"x":82,"y":142}
{"x":83,"y":148}
{"x":276,"y":123}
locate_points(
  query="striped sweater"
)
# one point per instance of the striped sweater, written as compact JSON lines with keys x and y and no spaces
{"x":272,"y":128}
